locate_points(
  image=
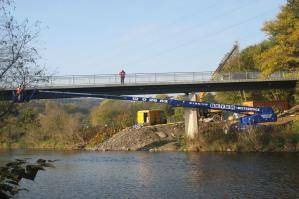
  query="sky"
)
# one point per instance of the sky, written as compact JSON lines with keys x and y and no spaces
{"x":80,"y":37}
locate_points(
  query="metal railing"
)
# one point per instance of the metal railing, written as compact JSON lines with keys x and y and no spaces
{"x":161,"y":78}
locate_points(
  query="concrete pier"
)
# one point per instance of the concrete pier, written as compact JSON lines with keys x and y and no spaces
{"x":191,"y":119}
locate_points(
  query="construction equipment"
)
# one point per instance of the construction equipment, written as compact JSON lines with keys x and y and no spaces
{"x":151,"y":117}
{"x":279,"y":106}
{"x":216,"y":115}
{"x":222,"y":63}
{"x":261,"y":114}
{"x":224,"y":60}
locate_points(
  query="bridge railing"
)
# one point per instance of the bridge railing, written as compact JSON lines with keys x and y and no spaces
{"x":150,"y":78}
{"x":136,"y":78}
{"x":160,"y":78}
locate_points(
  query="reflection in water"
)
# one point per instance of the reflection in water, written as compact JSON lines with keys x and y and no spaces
{"x":163,"y":175}
{"x":226,"y":175}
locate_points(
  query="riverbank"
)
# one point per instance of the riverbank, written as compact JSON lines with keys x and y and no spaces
{"x":48,"y":145}
{"x":281,"y":136}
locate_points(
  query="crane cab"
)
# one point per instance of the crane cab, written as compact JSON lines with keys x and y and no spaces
{"x":151,"y":117}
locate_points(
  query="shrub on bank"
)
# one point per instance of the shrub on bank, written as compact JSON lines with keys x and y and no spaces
{"x":212,"y":137}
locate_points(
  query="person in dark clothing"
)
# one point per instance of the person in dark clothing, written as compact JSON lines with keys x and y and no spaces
{"x":122,"y":75}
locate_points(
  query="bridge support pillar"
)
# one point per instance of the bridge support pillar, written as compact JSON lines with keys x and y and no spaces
{"x":191,"y":119}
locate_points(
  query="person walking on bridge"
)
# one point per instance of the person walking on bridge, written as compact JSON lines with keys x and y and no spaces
{"x":122,"y":75}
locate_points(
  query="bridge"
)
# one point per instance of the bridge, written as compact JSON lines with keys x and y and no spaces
{"x":158,"y":83}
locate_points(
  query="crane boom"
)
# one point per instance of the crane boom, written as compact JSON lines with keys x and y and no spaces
{"x":261,"y":114}
{"x":220,"y":67}
{"x":224,"y":60}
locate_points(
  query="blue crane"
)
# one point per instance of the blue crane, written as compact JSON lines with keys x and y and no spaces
{"x":260,"y":114}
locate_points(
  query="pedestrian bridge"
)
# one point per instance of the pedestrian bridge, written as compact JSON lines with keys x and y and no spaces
{"x":157,"y":83}
{"x":160,"y":78}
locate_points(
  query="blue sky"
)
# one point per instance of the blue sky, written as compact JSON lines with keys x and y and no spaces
{"x":103,"y":37}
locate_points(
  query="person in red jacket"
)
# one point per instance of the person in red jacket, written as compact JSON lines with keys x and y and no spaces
{"x":122,"y":75}
{"x":19,"y":93}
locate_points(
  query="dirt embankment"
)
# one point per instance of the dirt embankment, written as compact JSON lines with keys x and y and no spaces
{"x":146,"y":138}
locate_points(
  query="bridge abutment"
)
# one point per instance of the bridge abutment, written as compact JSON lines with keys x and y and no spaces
{"x":191,"y":119}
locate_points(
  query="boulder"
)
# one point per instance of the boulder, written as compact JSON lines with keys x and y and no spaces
{"x":161,"y":134}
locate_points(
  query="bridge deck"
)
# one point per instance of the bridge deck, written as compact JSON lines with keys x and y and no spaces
{"x":157,"y":83}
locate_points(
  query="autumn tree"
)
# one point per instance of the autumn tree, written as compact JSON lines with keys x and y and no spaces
{"x":59,"y":126}
{"x":114,"y":114}
{"x":283,"y":32}
{"x":280,"y":52}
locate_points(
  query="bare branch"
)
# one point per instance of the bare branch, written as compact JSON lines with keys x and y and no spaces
{"x":19,"y":58}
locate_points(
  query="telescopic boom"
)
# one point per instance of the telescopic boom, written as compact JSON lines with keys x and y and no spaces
{"x":261,"y":114}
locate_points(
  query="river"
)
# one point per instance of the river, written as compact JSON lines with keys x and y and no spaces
{"x":162,"y":175}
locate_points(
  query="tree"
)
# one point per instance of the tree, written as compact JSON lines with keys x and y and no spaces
{"x":57,"y":126}
{"x":114,"y":114}
{"x":280,"y":52}
{"x":249,"y":57}
{"x":18,"y":56}
{"x":284,"y":33}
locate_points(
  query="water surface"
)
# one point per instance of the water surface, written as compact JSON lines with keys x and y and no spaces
{"x":162,"y":175}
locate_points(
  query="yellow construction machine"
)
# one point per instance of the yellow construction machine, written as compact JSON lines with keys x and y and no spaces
{"x":151,"y":117}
